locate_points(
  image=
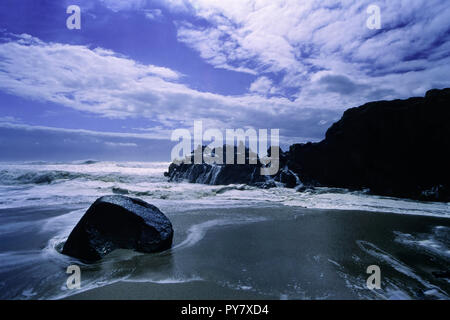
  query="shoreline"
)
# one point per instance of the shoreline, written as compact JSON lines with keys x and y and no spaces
{"x":326,"y":252}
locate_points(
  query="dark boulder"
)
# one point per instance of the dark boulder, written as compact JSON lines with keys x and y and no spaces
{"x":218,"y":174}
{"x":226,"y":174}
{"x":114,"y":222}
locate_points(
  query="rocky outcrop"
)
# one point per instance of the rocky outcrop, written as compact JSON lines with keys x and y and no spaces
{"x":226,"y":174}
{"x":395,"y":148}
{"x":114,"y":222}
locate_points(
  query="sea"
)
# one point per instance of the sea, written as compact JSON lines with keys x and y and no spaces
{"x":229,"y":241}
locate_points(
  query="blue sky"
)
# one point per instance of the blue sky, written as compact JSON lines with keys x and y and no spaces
{"x":138,"y":69}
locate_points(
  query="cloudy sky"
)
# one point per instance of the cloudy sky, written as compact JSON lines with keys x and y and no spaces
{"x":138,"y":69}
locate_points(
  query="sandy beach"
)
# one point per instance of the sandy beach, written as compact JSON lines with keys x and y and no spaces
{"x":293,"y":253}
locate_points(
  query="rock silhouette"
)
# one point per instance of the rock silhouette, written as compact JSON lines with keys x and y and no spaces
{"x":394,"y":148}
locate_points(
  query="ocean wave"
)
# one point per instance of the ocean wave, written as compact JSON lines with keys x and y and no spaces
{"x":124,"y":191}
{"x":50,"y":177}
{"x":174,"y":192}
{"x":89,"y":161}
{"x":45,"y":177}
{"x":46,"y":183}
{"x":342,"y":199}
{"x":240,"y":187}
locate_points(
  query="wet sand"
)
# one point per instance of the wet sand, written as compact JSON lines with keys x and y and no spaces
{"x":292,"y":253}
{"x":195,"y":290}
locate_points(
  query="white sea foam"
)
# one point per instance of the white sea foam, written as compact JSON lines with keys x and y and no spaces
{"x":172,"y":280}
{"x":437,"y":242}
{"x":42,"y":184}
{"x":197,"y":232}
{"x":382,"y":255}
{"x":14,"y":260}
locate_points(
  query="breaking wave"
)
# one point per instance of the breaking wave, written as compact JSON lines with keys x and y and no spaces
{"x":41,"y":183}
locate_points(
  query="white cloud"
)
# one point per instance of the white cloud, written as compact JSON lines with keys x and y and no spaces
{"x":9,"y":119}
{"x":213,"y":48}
{"x":153,"y":14}
{"x":302,"y":40}
{"x":153,"y":134}
{"x":121,"y":144}
{"x":299,"y":42}
{"x":22,"y":141}
{"x":321,"y":52}
{"x":118,"y":5}
{"x":261,"y":85}
{"x":101,"y":82}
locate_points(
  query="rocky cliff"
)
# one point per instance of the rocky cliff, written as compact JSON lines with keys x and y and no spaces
{"x":395,"y":148}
